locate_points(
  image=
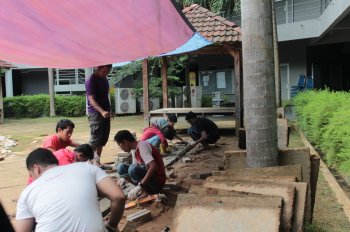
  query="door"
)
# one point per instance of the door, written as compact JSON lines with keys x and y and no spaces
{"x":285,"y":86}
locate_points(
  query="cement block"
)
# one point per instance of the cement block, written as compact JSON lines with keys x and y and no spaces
{"x":285,"y":191}
{"x":282,"y":132}
{"x":226,"y":213}
{"x":280,"y":112}
{"x":140,"y":216}
{"x":235,"y":159}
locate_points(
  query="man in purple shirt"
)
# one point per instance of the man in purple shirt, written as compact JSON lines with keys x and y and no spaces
{"x":99,"y":107}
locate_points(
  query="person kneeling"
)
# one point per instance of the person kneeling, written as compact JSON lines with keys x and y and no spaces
{"x":147,"y":170}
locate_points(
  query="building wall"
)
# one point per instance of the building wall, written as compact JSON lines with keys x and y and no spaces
{"x":294,"y":54}
{"x":35,"y":82}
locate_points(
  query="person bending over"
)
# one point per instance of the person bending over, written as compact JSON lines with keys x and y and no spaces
{"x":82,"y":153}
{"x":64,"y":198}
{"x":147,"y":172}
{"x":202,"y":130}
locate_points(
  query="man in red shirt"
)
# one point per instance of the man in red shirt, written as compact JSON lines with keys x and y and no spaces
{"x":60,"y":140}
{"x":82,"y":153}
{"x":147,"y":172}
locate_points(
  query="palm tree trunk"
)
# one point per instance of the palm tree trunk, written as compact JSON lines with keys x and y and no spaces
{"x":259,"y":85}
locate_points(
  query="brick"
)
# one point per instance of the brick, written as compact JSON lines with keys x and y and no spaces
{"x":170,"y":173}
{"x":186,"y":160}
{"x":172,"y":185}
{"x":140,"y":216}
{"x":286,"y":192}
{"x":226,"y":213}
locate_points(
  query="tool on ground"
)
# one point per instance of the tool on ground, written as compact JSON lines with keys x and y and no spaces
{"x":136,"y":202}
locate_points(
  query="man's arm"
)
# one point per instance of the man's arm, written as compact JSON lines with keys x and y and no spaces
{"x":203,"y":137}
{"x":152,"y":168}
{"x":24,"y":225}
{"x":109,"y":188}
{"x":97,"y":107}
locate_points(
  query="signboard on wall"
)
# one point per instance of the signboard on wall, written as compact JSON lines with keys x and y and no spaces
{"x":192,"y":76}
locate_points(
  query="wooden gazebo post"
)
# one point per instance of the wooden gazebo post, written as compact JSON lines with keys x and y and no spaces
{"x":164,"y":81}
{"x":145,"y":91}
{"x":236,"y":54}
{"x":1,"y":101}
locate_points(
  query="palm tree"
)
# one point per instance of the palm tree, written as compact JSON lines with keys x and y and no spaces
{"x":259,"y":86}
{"x":224,"y":8}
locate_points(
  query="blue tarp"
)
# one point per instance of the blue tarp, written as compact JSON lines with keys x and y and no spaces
{"x":195,"y":43}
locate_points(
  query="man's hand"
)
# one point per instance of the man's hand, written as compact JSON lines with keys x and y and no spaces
{"x":106,"y":114}
{"x":121,"y":182}
{"x":192,"y":143}
{"x":135,"y":192}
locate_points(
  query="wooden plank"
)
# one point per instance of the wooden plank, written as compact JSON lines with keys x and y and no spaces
{"x":205,"y":110}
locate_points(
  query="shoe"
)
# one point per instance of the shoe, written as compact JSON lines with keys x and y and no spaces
{"x":105,"y":167}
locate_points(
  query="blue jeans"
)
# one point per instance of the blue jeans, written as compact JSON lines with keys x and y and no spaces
{"x":155,"y":141}
{"x":136,"y":173}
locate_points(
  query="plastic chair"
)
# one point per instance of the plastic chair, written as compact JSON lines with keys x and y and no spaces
{"x":301,"y":85}
{"x":310,"y":82}
{"x":301,"y":82}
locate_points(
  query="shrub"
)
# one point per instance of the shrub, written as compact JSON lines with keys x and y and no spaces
{"x":324,"y":117}
{"x":39,"y":106}
{"x":206,"y":101}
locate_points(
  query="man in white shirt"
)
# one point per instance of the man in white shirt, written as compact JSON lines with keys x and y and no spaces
{"x":64,"y":198}
{"x":147,"y":171}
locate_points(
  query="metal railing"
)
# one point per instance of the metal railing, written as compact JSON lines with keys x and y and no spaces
{"x":294,"y":12}
{"x":69,"y":76}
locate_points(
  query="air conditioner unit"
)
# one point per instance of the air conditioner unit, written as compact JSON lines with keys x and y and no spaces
{"x":125,"y":103}
{"x":196,"y":96}
{"x":153,"y":103}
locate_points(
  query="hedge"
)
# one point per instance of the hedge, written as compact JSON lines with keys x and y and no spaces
{"x":324,"y":117}
{"x":39,"y":106}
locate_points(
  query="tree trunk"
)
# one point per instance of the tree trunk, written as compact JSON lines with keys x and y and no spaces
{"x":51,"y":93}
{"x":276,"y":57}
{"x":259,"y":85}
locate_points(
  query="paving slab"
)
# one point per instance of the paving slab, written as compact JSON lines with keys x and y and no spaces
{"x":290,"y":170}
{"x":287,"y":192}
{"x":286,"y":156}
{"x":301,"y":189}
{"x":226,"y":213}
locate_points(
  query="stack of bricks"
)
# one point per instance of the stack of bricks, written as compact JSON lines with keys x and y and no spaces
{"x":123,"y":157}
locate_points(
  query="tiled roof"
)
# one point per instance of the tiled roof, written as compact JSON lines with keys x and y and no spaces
{"x":212,"y":26}
{"x":4,"y":64}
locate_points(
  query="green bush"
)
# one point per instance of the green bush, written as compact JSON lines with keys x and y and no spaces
{"x":324,"y":117}
{"x":206,"y":101}
{"x":39,"y":106}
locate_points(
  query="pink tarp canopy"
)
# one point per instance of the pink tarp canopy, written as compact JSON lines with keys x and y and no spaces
{"x":86,"y":33}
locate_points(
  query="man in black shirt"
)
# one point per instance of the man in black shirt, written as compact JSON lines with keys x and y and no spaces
{"x":202,"y":130}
